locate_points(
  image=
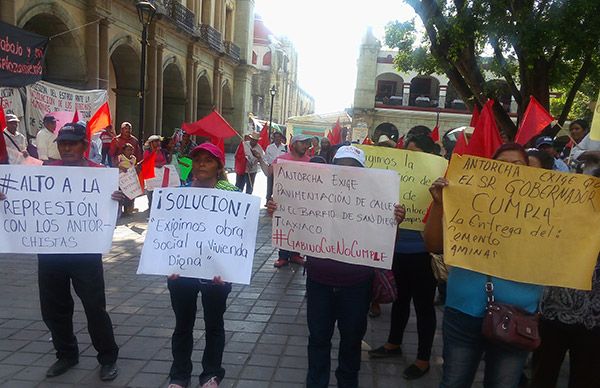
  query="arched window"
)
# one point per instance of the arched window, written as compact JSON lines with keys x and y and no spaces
{"x":254,"y":58}
{"x":267,"y":59}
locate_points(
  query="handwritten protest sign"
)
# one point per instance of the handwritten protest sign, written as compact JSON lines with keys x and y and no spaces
{"x":129,"y":183}
{"x":417,"y":170}
{"x":201,"y":233}
{"x":336,"y":212}
{"x":44,"y":97}
{"x":522,"y":223}
{"x":57,"y":209}
{"x":166,"y":176}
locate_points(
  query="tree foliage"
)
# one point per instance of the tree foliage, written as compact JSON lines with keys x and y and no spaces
{"x":534,"y":45}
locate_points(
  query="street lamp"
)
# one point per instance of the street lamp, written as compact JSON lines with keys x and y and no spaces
{"x":146,"y":12}
{"x":273,"y":92}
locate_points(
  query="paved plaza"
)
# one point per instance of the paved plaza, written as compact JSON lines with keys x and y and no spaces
{"x":265,"y":323}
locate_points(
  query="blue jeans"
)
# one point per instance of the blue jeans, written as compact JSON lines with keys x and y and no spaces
{"x":463,"y":347}
{"x":349,"y":307}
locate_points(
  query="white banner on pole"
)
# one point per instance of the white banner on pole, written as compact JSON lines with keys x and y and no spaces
{"x":335,"y":212}
{"x":129,"y":183}
{"x":201,"y":233}
{"x":51,"y":209}
{"x":44,"y":97}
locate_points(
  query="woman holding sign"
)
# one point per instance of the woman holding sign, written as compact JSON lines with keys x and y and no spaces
{"x":208,"y":170}
{"x":466,"y":301}
{"x":337,"y":292}
{"x":415,"y":281}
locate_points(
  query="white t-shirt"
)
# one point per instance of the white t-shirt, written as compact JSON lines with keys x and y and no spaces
{"x":15,"y":155}
{"x":46,"y":146}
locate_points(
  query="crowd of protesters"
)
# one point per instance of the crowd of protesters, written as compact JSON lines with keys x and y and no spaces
{"x":337,"y":293}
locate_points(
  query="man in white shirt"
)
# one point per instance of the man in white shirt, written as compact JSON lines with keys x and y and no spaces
{"x":253,"y":154}
{"x":46,"y":146}
{"x":271,"y":153}
{"x":16,"y":143}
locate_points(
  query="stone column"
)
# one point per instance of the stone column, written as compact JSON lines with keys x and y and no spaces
{"x":217,"y":89}
{"x":151,"y":86}
{"x":405,"y":94}
{"x":159,"y":88}
{"x":442,"y":97}
{"x":195,"y":93}
{"x":103,"y":58}
{"x":92,"y":52}
{"x":189,"y":85}
{"x":8,"y":12}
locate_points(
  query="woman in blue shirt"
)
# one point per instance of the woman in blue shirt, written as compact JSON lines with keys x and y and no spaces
{"x":465,"y":306}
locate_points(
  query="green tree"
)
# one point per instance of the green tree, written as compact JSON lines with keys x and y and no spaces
{"x":534,"y":45}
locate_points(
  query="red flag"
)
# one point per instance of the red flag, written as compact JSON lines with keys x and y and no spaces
{"x":435,"y":135}
{"x":335,"y":135}
{"x":213,"y":126}
{"x":240,"y":160}
{"x":461,"y":146}
{"x":474,"y":117}
{"x":99,"y":121}
{"x":3,"y":152}
{"x":400,"y":143}
{"x":75,"y":117}
{"x":535,"y":119}
{"x":368,"y":141}
{"x":486,"y":137}
{"x":147,"y":171}
{"x":264,"y":139}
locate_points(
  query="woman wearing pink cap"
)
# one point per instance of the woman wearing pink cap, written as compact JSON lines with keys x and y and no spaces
{"x":208,"y":171}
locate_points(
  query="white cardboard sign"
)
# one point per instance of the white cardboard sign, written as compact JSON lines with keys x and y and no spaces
{"x":51,"y":209}
{"x":336,"y":212}
{"x":129,"y":183}
{"x":201,"y":233}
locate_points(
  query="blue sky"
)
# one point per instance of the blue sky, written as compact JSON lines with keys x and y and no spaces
{"x":327,"y":34}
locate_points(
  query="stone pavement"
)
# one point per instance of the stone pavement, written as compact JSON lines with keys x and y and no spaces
{"x":265,"y":323}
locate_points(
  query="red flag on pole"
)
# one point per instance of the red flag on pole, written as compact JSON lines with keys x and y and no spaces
{"x":474,"y":117}
{"x":3,"y":152}
{"x":240,"y":161}
{"x":99,"y":121}
{"x":461,"y":146}
{"x":435,"y":134}
{"x":213,"y":126}
{"x":75,"y":116}
{"x":147,"y":171}
{"x":535,"y":119}
{"x":264,"y":139}
{"x":335,"y":135}
{"x":486,"y":137}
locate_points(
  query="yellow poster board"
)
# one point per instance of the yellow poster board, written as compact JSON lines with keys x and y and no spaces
{"x":595,"y":127}
{"x":417,"y":171}
{"x":522,"y":223}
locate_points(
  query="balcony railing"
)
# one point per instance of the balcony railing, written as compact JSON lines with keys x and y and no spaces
{"x":232,"y":50}
{"x":211,"y":37}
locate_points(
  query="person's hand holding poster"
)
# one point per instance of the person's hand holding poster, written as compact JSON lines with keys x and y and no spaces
{"x":336,"y":212}
{"x":201,"y":233}
{"x":57,"y":209}
{"x":521,"y":223}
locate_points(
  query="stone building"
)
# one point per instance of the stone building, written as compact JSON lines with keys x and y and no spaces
{"x":276,"y":63}
{"x":198,"y":55}
{"x":386,"y":101}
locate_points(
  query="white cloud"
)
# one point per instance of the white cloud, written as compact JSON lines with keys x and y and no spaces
{"x":327,"y":35}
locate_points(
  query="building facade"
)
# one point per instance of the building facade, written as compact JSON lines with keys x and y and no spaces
{"x":389,"y":102}
{"x":276,"y":62}
{"x":198,"y":55}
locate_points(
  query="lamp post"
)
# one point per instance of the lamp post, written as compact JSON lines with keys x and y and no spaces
{"x":146,"y":12}
{"x":273,"y":92}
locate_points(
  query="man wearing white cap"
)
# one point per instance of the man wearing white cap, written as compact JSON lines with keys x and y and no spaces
{"x":16,"y":143}
{"x":297,"y":152}
{"x":254,"y":153}
{"x":46,"y":146}
{"x":118,"y":143}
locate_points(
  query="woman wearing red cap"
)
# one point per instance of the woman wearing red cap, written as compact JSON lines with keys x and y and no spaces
{"x":208,"y":171}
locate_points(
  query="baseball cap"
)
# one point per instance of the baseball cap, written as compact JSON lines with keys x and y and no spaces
{"x":72,"y":132}
{"x":544,"y":140}
{"x":125,"y":124}
{"x":11,"y":118}
{"x":211,"y":149}
{"x":350,"y":152}
{"x":300,"y":137}
{"x":48,"y":118}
